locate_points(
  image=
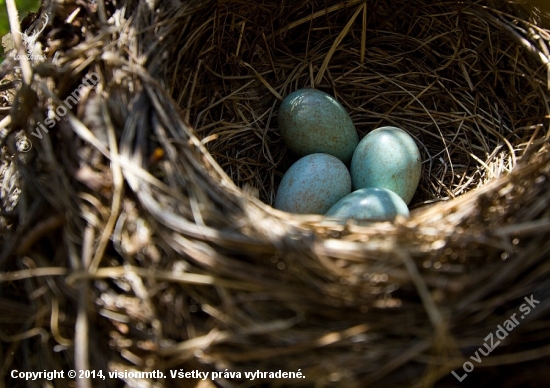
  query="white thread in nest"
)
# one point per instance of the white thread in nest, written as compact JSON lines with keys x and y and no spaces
{"x":34,"y":51}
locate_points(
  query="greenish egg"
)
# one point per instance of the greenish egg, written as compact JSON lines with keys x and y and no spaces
{"x":388,"y":158}
{"x":371,"y":203}
{"x":312,"y":121}
{"x":313,"y":184}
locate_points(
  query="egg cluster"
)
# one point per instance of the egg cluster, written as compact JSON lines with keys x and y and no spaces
{"x":384,"y":171}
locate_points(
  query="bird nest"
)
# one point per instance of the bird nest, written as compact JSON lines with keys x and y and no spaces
{"x":141,"y":154}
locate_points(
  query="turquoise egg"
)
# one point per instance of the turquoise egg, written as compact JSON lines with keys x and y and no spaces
{"x":312,"y":121}
{"x":388,"y":158}
{"x":371,"y":203}
{"x":313,"y":184}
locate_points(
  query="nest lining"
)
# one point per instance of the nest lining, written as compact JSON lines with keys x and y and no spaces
{"x":430,"y":74}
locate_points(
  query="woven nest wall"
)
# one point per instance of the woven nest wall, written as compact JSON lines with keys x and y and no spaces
{"x":137,"y":231}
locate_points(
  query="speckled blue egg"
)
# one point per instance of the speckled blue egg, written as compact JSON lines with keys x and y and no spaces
{"x":312,"y":121}
{"x":371,"y":203}
{"x":388,"y":158}
{"x":313,"y":184}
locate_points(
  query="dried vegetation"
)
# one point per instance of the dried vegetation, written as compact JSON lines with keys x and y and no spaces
{"x":137,"y":233}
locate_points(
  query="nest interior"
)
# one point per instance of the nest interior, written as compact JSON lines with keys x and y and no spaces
{"x":137,"y":232}
{"x":430,"y":71}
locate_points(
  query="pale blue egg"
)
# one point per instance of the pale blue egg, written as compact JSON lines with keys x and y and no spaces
{"x":389,"y":158}
{"x":313,"y":184}
{"x":371,"y":203}
{"x":312,"y":121}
